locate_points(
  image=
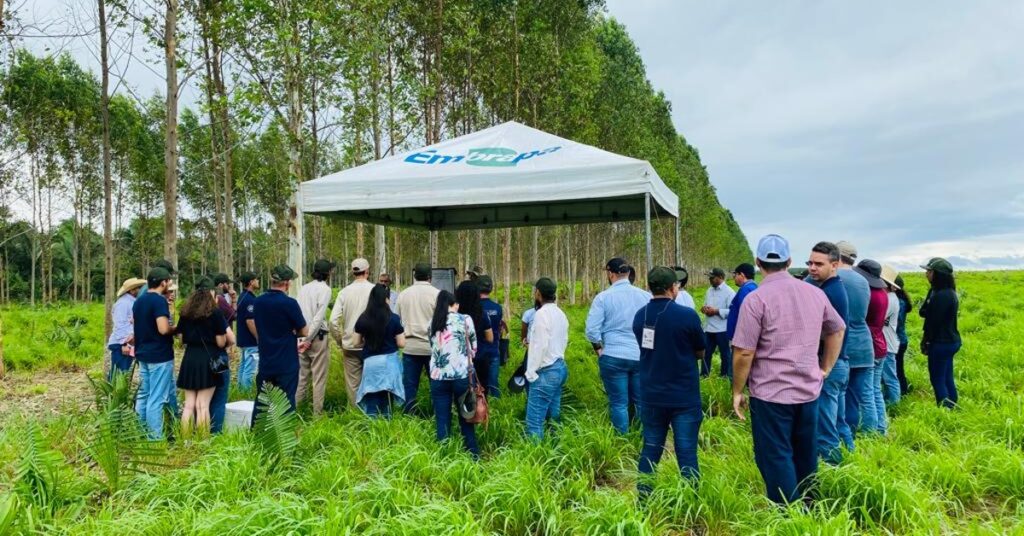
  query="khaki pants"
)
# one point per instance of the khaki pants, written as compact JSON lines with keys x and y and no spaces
{"x":314,"y":362}
{"x":353,"y":364}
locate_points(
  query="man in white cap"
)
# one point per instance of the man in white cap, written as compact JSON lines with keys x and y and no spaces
{"x":350,"y":303}
{"x":776,"y":348}
{"x":120,"y":341}
{"x":860,"y":397}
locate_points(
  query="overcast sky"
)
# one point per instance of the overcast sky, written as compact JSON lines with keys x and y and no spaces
{"x":896,"y":125}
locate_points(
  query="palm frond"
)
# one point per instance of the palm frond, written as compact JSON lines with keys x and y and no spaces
{"x":276,"y":426}
{"x":36,"y":472}
{"x":119,"y":445}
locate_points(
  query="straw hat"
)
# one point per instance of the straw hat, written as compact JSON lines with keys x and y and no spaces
{"x":129,"y":285}
{"x":889,"y":275}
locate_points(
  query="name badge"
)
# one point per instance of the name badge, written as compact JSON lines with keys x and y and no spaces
{"x":647,"y":341}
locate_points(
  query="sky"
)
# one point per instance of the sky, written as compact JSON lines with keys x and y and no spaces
{"x":898,"y":126}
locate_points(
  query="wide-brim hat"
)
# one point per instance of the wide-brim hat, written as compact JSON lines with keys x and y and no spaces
{"x":517,"y":383}
{"x":129,"y":285}
{"x":890,"y":275}
{"x":872,"y":271}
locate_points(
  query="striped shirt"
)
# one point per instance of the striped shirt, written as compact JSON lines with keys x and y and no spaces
{"x":782,"y":322}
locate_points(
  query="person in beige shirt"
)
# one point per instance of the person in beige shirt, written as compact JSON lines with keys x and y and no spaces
{"x":415,"y":305}
{"x":314,"y":297}
{"x":351,"y":303}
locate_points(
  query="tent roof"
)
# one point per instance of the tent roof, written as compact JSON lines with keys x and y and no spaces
{"x":504,"y":176}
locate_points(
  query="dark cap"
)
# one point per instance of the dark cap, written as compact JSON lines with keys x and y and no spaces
{"x":421,"y":271}
{"x":282,"y":272}
{"x":247,"y":278}
{"x":938,"y":265}
{"x":717,"y":272}
{"x":617,"y":265}
{"x":546,"y":286}
{"x":156,"y":275}
{"x":681,"y":274}
{"x":485,"y":283}
{"x":746,"y":269}
{"x":166,"y":265}
{"x":206,"y":282}
{"x":220,"y":278}
{"x":476,"y":270}
{"x":872,"y":271}
{"x":323,"y":266}
{"x":661,"y":278}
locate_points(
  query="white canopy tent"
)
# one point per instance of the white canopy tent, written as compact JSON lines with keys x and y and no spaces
{"x":505,"y":176}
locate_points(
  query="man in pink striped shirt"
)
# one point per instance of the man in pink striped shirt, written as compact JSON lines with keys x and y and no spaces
{"x":776,"y":348}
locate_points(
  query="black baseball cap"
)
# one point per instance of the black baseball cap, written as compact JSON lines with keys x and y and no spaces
{"x":617,"y":265}
{"x":206,"y":282}
{"x":746,"y":269}
{"x":661,"y":278}
{"x":421,"y":270}
{"x":323,"y":266}
{"x":246,"y":278}
{"x":156,"y":275}
{"x":546,"y":286}
{"x":485,"y":283}
{"x":220,"y":278}
{"x":166,"y":265}
{"x":282,"y":272}
{"x":716,"y":272}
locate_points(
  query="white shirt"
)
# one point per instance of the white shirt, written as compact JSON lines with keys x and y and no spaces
{"x":719,"y":298}
{"x":549,"y":335}
{"x":685,"y":299}
{"x":313,"y":299}
{"x":892,"y":320}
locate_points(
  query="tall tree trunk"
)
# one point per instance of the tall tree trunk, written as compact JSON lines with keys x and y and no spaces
{"x":296,"y":223}
{"x":479,"y":259}
{"x":215,"y":139}
{"x":171,"y":138}
{"x":534,"y":273}
{"x":108,"y":184}
{"x":506,"y":254}
{"x":227,"y":264}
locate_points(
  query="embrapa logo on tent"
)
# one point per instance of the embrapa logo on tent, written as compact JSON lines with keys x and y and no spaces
{"x":483,"y":156}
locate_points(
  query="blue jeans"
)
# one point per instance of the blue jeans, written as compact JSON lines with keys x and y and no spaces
{"x":286,"y":381}
{"x":378,"y":404}
{"x":156,"y":391}
{"x":890,"y":380}
{"x":544,"y":400}
{"x":247,"y":366}
{"x":493,"y":372}
{"x":940,"y":372}
{"x":784,"y":447}
{"x":118,"y":361}
{"x":621,"y":379}
{"x":860,"y":400}
{"x":832,"y":427}
{"x":721,"y":342}
{"x":219,"y":402}
{"x":413,"y":366}
{"x":685,"y":426}
{"x":881,"y":419}
{"x":445,"y":395}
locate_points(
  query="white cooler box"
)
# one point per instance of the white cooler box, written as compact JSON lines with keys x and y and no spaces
{"x":238,"y":415}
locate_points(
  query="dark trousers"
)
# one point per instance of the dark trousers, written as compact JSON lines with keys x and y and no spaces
{"x":378,"y":404}
{"x":286,"y":381}
{"x":482,"y":364}
{"x":784,"y":447}
{"x":413,"y":366}
{"x":445,"y":395}
{"x":685,"y":425}
{"x":219,"y":402}
{"x":721,"y":342}
{"x":940,"y":372}
{"x":901,"y":374}
{"x":118,"y":362}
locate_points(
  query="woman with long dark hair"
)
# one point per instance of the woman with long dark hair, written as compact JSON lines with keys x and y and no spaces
{"x":468,"y":297}
{"x":906,"y":305}
{"x":204,"y":331}
{"x":453,"y":344}
{"x":941,"y":338}
{"x":379,"y":331}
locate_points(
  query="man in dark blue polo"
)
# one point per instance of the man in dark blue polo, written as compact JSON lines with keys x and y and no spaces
{"x":490,"y":350}
{"x":279,"y":325}
{"x":671,"y":344}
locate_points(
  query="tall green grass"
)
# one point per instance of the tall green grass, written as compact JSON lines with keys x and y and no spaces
{"x":959,"y":472}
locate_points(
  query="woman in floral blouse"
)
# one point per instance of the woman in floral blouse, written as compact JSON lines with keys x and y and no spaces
{"x":452,"y":347}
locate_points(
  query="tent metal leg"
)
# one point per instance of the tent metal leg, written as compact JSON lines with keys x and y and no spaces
{"x":679,"y":243}
{"x":433,"y":249}
{"x":647,"y":227}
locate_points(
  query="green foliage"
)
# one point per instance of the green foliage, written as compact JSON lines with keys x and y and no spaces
{"x":68,"y":337}
{"x":276,"y":427}
{"x":37,"y":471}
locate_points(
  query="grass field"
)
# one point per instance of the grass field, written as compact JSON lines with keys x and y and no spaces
{"x":938,"y":471}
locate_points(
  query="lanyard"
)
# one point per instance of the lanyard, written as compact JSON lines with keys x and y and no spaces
{"x":648,"y":308}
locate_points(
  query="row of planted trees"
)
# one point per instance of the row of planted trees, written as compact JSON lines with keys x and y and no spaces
{"x":291,"y":90}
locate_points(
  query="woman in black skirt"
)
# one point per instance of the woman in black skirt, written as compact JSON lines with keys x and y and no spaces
{"x":204,"y":332}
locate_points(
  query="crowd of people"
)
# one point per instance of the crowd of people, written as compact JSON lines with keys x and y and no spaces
{"x":815,"y":359}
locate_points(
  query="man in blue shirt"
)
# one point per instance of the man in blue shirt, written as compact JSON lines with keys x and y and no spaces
{"x":121,"y":337}
{"x":246,"y":330}
{"x":279,"y":322}
{"x":717,"y":301}
{"x":823,"y":267}
{"x":154,"y":350}
{"x":490,"y":350}
{"x":743,"y":276}
{"x":671,"y":342}
{"x":859,"y":348}
{"x":610,"y":330}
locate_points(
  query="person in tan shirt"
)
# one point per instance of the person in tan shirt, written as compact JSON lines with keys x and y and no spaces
{"x":415,"y":305}
{"x":350,"y":304}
